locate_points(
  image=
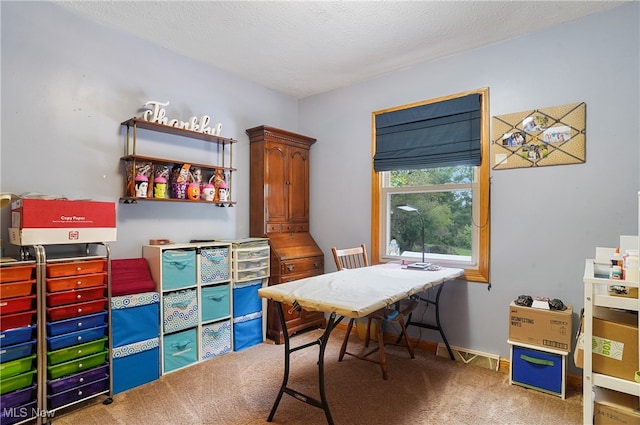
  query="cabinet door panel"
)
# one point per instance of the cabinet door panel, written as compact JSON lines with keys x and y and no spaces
{"x":299,"y":184}
{"x":275,"y":183}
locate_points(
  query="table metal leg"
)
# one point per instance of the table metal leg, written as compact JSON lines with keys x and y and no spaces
{"x":322,"y":343}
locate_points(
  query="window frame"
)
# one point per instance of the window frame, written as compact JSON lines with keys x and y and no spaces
{"x":479,"y":273}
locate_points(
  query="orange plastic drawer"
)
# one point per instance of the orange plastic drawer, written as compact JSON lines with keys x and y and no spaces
{"x":74,"y":310}
{"x":16,"y":305}
{"x":16,"y":289}
{"x":75,"y":268}
{"x":15,"y":273}
{"x":76,"y":282}
{"x":56,"y":299}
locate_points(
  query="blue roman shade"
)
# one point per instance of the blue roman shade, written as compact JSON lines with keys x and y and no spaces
{"x":441,"y":134}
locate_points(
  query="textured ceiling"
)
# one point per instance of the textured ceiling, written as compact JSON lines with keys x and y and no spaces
{"x":302,"y":48}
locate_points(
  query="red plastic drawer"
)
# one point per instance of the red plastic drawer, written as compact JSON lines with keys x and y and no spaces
{"x":56,"y":299}
{"x":76,"y":282}
{"x":15,"y":273}
{"x":16,"y":289}
{"x":74,"y":310}
{"x":75,"y":268}
{"x":17,"y":320}
{"x":16,"y":305}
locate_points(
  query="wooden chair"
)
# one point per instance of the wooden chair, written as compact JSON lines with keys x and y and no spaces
{"x":351,"y":258}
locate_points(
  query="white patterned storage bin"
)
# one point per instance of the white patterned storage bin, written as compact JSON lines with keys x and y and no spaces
{"x":214,"y":264}
{"x":215,"y":339}
{"x":180,"y":310}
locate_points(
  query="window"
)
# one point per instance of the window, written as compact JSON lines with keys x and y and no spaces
{"x":450,"y":192}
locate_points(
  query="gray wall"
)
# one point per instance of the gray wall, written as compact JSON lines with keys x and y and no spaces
{"x":68,"y":83}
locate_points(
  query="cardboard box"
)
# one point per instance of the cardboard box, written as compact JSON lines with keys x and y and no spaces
{"x":544,"y":328}
{"x":615,"y":408}
{"x":615,"y":344}
{"x":24,"y":237}
{"x":53,"y":214}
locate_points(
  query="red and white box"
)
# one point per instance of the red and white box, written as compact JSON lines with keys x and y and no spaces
{"x":48,"y":221}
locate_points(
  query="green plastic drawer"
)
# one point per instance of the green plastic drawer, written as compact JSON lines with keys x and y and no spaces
{"x":16,"y":367}
{"x":77,"y":365}
{"x":17,"y":382}
{"x":76,"y":351}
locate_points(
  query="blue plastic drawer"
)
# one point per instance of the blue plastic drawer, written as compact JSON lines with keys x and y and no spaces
{"x":19,"y":413}
{"x":17,"y":397}
{"x":62,"y":384}
{"x":215,"y":302}
{"x":214,"y":264}
{"x":17,"y":351}
{"x":246,"y":299}
{"x":78,"y":337}
{"x":178,"y":269}
{"x":135,"y":318}
{"x":180,"y":310}
{"x":77,"y":323}
{"x":215,"y":339}
{"x":179,"y":349}
{"x":537,"y":369}
{"x":247,"y":333}
{"x":142,"y":358}
{"x":16,"y":335}
{"x":78,"y":393}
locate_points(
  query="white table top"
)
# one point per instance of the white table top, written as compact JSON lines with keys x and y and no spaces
{"x":358,"y":292}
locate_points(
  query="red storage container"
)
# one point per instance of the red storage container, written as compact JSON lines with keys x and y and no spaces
{"x":74,"y":268}
{"x":15,"y":273}
{"x":76,"y":282}
{"x":17,"y":320}
{"x":73,"y":310}
{"x":17,"y":289}
{"x":15,"y":305}
{"x":56,"y":299}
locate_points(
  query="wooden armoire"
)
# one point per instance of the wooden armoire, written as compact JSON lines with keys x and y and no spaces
{"x":279,"y":204}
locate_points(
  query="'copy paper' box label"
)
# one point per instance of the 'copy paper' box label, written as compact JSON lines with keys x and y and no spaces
{"x":52,"y":214}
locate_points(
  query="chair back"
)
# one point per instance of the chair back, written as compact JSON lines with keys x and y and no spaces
{"x":350,"y":258}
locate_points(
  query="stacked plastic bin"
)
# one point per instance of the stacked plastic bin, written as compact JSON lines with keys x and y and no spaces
{"x":135,"y":319}
{"x":18,"y":343}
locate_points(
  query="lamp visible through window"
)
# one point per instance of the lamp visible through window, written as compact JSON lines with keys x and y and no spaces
{"x":409,"y":208}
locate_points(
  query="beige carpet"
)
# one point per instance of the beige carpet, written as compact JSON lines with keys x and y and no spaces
{"x":240,"y":388}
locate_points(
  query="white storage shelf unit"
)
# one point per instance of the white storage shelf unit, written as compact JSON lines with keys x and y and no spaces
{"x":596,"y":295}
{"x":194,"y":281}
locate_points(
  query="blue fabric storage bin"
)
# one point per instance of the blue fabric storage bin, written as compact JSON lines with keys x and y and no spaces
{"x":537,"y":369}
{"x":247,"y":331}
{"x":135,"y":318}
{"x":246,"y":299}
{"x":16,"y":335}
{"x":214,"y":264}
{"x":78,"y":337}
{"x":179,"y":349}
{"x":215,"y":302}
{"x":135,"y":364}
{"x":178,"y":268}
{"x":76,"y":323}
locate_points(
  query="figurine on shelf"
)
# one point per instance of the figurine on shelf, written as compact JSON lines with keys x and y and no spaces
{"x":223,"y":192}
{"x":218,"y":178}
{"x":137,"y":172}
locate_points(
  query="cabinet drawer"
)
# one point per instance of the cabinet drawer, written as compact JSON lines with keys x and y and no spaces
{"x":302,"y":265}
{"x":273,"y":228}
{"x":215,"y":302}
{"x":76,"y":379}
{"x":179,"y":310}
{"x":179,"y":349}
{"x":75,"y":296}
{"x":74,"y":310}
{"x":16,"y":335}
{"x":16,"y":273}
{"x":74,"y":268}
{"x":295,"y":227}
{"x":214,"y":264}
{"x":78,"y":393}
{"x":77,"y":365}
{"x":71,"y":353}
{"x":16,"y":367}
{"x":178,"y":269}
{"x":76,"y":323}
{"x":537,"y":369}
{"x":78,"y":337}
{"x":252,"y":254}
{"x":16,"y":305}
{"x":216,"y":339}
{"x":17,"y":289}
{"x":76,"y":282}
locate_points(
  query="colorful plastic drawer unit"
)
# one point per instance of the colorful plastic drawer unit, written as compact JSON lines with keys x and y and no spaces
{"x":57,"y":299}
{"x":78,"y":393}
{"x":80,"y":350}
{"x":74,"y":310}
{"x":77,"y":365}
{"x":17,"y":320}
{"x":76,"y":282}
{"x":16,"y":336}
{"x":67,"y":382}
{"x":76,"y":323}
{"x":13,"y":352}
{"x":16,"y":305}
{"x":17,"y":382}
{"x":18,"y":397}
{"x":16,"y":289}
{"x":78,"y":337}
{"x":74,"y":268}
{"x":18,"y":414}
{"x":16,"y":367}
{"x":16,"y":273}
